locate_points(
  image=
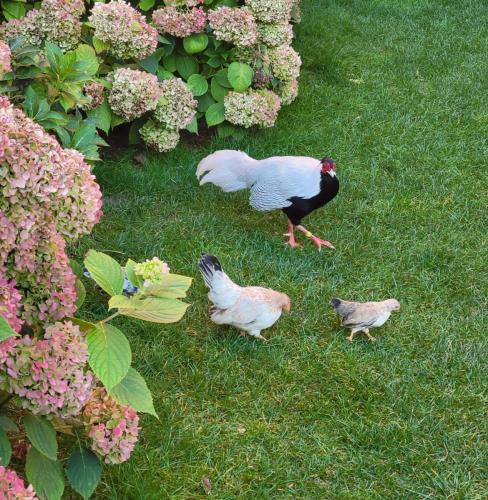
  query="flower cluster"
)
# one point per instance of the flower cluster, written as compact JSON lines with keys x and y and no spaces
{"x":152,"y":271}
{"x":271,"y":11}
{"x":234,"y":25}
{"x":133,"y":93}
{"x":176,"y":106}
{"x":123,"y":30}
{"x":5,"y":56}
{"x":158,"y":137}
{"x":74,"y":7}
{"x":10,"y":302}
{"x":53,"y":22}
{"x":296,"y":14}
{"x":180,"y":23}
{"x":112,"y":427}
{"x":49,"y":375}
{"x":285,"y":63}
{"x":95,"y":93}
{"x":183,"y":3}
{"x":12,"y":487}
{"x":274,"y":35}
{"x":48,"y":193}
{"x":288,"y":91}
{"x":253,"y":107}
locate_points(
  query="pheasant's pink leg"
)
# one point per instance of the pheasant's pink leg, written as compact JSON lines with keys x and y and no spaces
{"x":316,"y":241}
{"x":291,"y":241}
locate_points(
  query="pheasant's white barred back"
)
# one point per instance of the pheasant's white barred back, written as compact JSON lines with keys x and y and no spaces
{"x":273,"y":181}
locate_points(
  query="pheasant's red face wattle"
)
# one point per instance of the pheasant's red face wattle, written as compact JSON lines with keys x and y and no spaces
{"x":328,"y":165}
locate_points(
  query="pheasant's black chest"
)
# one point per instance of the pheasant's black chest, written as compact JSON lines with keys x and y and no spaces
{"x":300,"y":207}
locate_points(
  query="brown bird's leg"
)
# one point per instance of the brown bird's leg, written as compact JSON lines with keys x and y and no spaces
{"x":316,"y":241}
{"x":291,"y":233}
{"x":370,"y":337}
{"x":353,"y":332}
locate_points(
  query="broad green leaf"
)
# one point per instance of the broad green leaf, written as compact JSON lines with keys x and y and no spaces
{"x":6,"y":448}
{"x":146,"y":4}
{"x":215,"y":114}
{"x":135,"y":126}
{"x":133,"y":391}
{"x":240,"y":76}
{"x":131,"y":275}
{"x":6,"y":330}
{"x":150,"y":63}
{"x":195,"y":43}
{"x":222,"y":78}
{"x":98,"y":45}
{"x":109,"y":354}
{"x":169,"y":63}
{"x":204,"y":102}
{"x":193,"y":126}
{"x":105,"y":271}
{"x":156,"y":310}
{"x":46,"y":476}
{"x":84,"y":471}
{"x":84,"y":326}
{"x":197,"y":84}
{"x":87,"y":59}
{"x":103,"y":116}
{"x":164,"y":74}
{"x":173,"y":286}
{"x":53,"y":54}
{"x":42,"y":435}
{"x":80,"y":293}
{"x":13,"y":10}
{"x":218,"y":92}
{"x":7,"y":424}
{"x":186,"y":65}
{"x":116,"y":120}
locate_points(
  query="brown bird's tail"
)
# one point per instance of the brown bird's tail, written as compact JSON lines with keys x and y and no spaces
{"x":335,"y":303}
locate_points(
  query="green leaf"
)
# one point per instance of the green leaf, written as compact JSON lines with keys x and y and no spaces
{"x":204,"y":102}
{"x":109,"y":354}
{"x":173,"y":286}
{"x":131,"y":275}
{"x":7,"y":424}
{"x":13,"y":10}
{"x":150,"y":63}
{"x":146,"y":4}
{"x":133,"y":391}
{"x":193,"y":126}
{"x":53,"y":54}
{"x":80,"y":293}
{"x":116,"y":120}
{"x":6,"y":448}
{"x":240,"y":76}
{"x":218,"y":92}
{"x":42,"y":435}
{"x":87,"y":59}
{"x":106,"y":272}
{"x":103,"y":116}
{"x":215,"y":114}
{"x":195,"y":43}
{"x":84,"y":471}
{"x":164,"y":74}
{"x":83,"y":136}
{"x":84,"y":326}
{"x":222,"y":78}
{"x":98,"y":45}
{"x":186,"y":65}
{"x":198,"y":85}
{"x":169,"y":63}
{"x":156,"y":310}
{"x":6,"y":330}
{"x":46,"y":476}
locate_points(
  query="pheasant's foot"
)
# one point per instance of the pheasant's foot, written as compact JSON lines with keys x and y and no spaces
{"x":242,"y":334}
{"x":370,"y":337}
{"x":292,"y":242}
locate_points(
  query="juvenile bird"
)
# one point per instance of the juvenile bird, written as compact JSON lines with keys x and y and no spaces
{"x":251,"y":308}
{"x":360,"y":317}
{"x":297,"y":185}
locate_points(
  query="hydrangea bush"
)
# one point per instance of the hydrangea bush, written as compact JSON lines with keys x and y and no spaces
{"x":60,"y":374}
{"x":161,"y":66}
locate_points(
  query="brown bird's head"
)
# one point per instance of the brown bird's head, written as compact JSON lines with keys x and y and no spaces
{"x":392,"y":304}
{"x":286,"y":304}
{"x":328,"y":166}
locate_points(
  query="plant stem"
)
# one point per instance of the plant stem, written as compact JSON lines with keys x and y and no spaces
{"x":106,"y":320}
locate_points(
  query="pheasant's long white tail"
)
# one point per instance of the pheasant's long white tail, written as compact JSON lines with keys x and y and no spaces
{"x":228,"y":169}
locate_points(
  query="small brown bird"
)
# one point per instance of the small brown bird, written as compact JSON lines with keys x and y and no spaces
{"x":360,"y":317}
{"x":250,"y":308}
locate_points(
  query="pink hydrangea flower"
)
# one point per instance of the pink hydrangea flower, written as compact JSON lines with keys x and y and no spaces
{"x":285,"y":63}
{"x":252,"y":108}
{"x":5,"y":56}
{"x":49,"y":375}
{"x":133,"y":93}
{"x":176,"y":106}
{"x":124,"y":30}
{"x":112,"y":427}
{"x":95,"y":92}
{"x":180,"y":23}
{"x":234,"y":25}
{"x":288,"y":91}
{"x":271,"y":11}
{"x":10,"y":302}
{"x":12,"y":487}
{"x":274,"y":35}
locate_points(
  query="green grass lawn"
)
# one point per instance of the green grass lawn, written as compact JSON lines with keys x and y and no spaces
{"x":396,"y":92}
